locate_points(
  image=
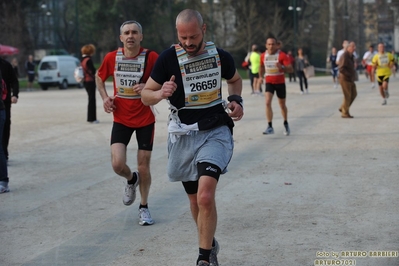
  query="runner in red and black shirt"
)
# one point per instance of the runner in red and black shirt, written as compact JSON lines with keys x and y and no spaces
{"x":274,"y":64}
{"x":130,"y":67}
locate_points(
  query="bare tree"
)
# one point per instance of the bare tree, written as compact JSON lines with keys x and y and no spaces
{"x":278,"y":25}
{"x":250,"y":24}
{"x":225,"y":24}
{"x":256,"y":20}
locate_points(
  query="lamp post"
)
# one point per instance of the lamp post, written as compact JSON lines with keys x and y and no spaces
{"x":294,"y":8}
{"x":211,"y":2}
{"x":46,"y":37}
{"x":53,"y":15}
{"x":54,"y":7}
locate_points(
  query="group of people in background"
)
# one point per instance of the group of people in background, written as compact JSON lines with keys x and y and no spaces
{"x":9,"y":90}
{"x":379,"y":66}
{"x":270,"y":67}
{"x":89,"y":70}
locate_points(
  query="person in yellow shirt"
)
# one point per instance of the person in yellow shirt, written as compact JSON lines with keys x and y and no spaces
{"x":254,"y":58}
{"x":382,"y":63}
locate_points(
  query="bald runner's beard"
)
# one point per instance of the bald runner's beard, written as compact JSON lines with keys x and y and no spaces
{"x":192,"y":46}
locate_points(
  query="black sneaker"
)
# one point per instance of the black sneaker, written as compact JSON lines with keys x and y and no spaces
{"x":287,"y":130}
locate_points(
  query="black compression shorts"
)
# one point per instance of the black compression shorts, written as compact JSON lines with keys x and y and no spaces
{"x":144,"y":135}
{"x":278,"y":88}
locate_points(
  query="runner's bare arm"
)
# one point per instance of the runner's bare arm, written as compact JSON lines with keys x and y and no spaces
{"x":261,"y":71}
{"x":235,"y":88}
{"x":154,"y":92}
{"x":391,"y":63}
{"x":288,"y":68}
{"x":101,"y":87}
{"x":235,"y":84}
{"x":138,"y":88}
{"x":108,"y":102}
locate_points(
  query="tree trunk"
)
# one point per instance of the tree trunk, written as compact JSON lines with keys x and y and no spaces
{"x":331,"y":30}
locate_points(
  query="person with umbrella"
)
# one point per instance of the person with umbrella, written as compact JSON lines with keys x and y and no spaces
{"x":8,"y":50}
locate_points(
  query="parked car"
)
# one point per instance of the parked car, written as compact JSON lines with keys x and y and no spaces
{"x":58,"y":70}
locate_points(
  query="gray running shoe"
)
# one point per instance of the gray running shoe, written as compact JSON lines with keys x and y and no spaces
{"x":203,"y":263}
{"x":269,"y":130}
{"x":386,"y":93}
{"x":145,"y":217}
{"x":286,"y":130}
{"x":213,"y":259}
{"x":384,"y":102}
{"x":4,"y":187}
{"x":130,"y":191}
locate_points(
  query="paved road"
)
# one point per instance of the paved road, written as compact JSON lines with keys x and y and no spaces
{"x":329,"y":187}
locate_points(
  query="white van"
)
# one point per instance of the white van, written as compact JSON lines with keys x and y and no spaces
{"x":57,"y":70}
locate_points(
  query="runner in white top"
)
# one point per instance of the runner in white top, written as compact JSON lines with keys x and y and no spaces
{"x":368,"y":65}
{"x":341,"y":52}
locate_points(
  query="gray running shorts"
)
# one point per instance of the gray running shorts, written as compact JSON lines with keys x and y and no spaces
{"x":213,"y":146}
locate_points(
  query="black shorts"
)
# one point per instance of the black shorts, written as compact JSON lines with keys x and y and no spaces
{"x":31,"y":77}
{"x":381,"y":79}
{"x":253,"y":75}
{"x":278,"y":88}
{"x":144,"y":135}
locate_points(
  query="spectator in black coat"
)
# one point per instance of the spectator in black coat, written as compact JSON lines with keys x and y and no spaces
{"x":12,"y":84}
{"x":89,"y":82}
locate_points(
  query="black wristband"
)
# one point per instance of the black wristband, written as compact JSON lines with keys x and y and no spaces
{"x":236,"y":98}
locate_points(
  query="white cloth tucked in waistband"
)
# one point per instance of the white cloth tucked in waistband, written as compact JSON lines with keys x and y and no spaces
{"x":177,"y":129}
